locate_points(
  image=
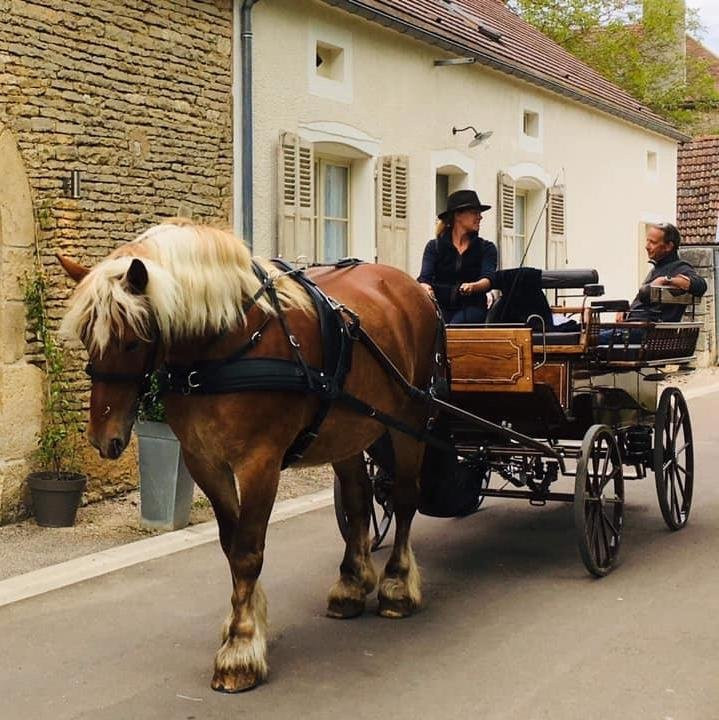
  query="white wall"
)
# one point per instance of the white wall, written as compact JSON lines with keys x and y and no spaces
{"x":404,"y":105}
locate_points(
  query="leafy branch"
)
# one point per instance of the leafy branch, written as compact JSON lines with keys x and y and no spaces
{"x":58,"y":439}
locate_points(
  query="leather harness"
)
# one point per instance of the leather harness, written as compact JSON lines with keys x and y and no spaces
{"x":339,"y":329}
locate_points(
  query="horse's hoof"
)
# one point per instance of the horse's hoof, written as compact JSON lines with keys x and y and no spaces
{"x":345,"y":608}
{"x":236,"y":681}
{"x":395,"y":608}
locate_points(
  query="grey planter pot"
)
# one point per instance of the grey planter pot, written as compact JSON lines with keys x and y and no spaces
{"x":166,"y":486}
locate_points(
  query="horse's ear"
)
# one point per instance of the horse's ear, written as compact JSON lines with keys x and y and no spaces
{"x":137,"y":277}
{"x":76,"y":271}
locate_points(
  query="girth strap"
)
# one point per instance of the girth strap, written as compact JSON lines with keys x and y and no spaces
{"x":245,"y":374}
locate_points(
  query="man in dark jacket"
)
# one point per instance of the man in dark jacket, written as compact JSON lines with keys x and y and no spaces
{"x":669,"y":271}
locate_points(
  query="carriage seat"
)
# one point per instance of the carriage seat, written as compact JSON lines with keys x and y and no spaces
{"x":586,"y":280}
{"x":555,"y":338}
{"x":648,"y":342}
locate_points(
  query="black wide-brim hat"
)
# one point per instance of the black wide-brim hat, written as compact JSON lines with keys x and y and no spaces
{"x":463,"y":200}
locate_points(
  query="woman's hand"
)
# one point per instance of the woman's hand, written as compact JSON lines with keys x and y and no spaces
{"x":428,"y":289}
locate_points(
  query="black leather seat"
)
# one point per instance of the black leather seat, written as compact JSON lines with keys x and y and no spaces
{"x":555,"y":338}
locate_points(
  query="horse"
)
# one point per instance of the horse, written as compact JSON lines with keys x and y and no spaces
{"x":183,"y":293}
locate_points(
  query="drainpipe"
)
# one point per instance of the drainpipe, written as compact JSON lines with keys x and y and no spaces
{"x":714,"y":350}
{"x":247,"y":146}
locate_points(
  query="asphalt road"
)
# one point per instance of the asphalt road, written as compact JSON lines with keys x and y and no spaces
{"x":512,"y":626}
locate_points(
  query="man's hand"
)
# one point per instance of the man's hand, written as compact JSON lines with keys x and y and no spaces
{"x":428,"y":289}
{"x":467,"y":288}
{"x":679,"y":282}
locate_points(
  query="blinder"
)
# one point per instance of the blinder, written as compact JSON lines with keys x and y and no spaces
{"x":141,"y":379}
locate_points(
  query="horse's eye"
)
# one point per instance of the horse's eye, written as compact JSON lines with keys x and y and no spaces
{"x":131,"y":347}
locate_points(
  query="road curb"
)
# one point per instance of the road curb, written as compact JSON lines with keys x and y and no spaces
{"x":74,"y":571}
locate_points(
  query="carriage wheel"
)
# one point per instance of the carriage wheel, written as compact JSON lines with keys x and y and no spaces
{"x":673,"y":458}
{"x":381,"y":511}
{"x":599,"y":500}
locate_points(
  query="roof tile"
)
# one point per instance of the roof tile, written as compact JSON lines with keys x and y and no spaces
{"x":522,"y":50}
{"x":698,"y":190}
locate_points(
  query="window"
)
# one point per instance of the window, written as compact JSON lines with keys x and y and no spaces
{"x":441,"y":193}
{"x":520,"y":227}
{"x":530,"y":124}
{"x":329,"y":61}
{"x":332,"y":229}
{"x":651,"y":161}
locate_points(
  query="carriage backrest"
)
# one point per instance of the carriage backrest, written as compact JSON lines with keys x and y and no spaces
{"x":568,"y":279}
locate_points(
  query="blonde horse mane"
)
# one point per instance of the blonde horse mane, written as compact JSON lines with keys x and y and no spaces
{"x":199,"y":278}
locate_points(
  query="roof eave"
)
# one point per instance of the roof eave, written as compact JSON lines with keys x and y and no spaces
{"x":359,"y":8}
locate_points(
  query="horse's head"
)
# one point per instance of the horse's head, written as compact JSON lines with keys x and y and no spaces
{"x":111,"y":315}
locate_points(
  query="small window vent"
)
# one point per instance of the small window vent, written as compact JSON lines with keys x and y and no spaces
{"x":651,"y":161}
{"x":329,"y":61}
{"x":530,"y":124}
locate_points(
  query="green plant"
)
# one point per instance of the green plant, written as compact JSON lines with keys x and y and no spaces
{"x":151,"y":405}
{"x":58,"y":438}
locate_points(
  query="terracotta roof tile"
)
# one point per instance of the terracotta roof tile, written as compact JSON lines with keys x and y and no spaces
{"x":460,"y":27}
{"x":697,"y":50}
{"x":698,"y":190}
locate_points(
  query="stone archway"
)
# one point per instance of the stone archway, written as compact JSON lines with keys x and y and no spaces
{"x":20,"y":382}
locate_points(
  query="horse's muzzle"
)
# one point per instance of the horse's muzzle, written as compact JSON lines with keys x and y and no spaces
{"x":110,"y":450}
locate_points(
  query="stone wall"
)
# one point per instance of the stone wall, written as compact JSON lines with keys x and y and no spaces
{"x":703,"y":260}
{"x":137,"y":97}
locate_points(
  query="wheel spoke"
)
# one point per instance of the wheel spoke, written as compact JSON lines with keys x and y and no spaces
{"x":604,"y":537}
{"x":591,"y":518}
{"x":676,"y":513}
{"x":682,"y":488}
{"x":686,"y":445}
{"x":676,"y":421}
{"x":616,"y":470}
{"x":608,"y":522}
{"x":606,"y":462}
{"x":595,"y":464}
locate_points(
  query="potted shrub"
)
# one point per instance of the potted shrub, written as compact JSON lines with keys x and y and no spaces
{"x":57,"y":488}
{"x":166,"y":486}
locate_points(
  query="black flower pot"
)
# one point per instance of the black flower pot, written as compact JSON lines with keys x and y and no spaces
{"x":55,"y":499}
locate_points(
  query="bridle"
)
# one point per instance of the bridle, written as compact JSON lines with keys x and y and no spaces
{"x":143,"y":379}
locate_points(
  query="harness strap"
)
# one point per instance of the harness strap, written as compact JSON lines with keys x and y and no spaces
{"x":337,"y":358}
{"x":246,"y":374}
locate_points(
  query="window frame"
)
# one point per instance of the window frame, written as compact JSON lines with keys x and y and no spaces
{"x":321,"y":162}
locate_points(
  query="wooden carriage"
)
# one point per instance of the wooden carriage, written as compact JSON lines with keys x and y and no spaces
{"x":528,"y":408}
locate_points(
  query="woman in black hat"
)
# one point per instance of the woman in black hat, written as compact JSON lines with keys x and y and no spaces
{"x":458,"y":266}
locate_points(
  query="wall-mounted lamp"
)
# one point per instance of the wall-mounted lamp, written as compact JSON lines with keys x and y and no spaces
{"x":479,"y":137}
{"x":71,"y":185}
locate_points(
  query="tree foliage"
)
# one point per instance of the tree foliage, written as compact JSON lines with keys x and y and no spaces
{"x":639,"y":46}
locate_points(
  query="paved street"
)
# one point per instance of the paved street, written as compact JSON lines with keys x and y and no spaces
{"x":512,"y":627}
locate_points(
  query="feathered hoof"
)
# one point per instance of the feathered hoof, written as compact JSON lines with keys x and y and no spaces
{"x":396,"y":607}
{"x":235,"y":681}
{"x":345,"y":608}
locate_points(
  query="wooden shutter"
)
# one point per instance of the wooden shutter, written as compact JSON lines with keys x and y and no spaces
{"x":505,"y":225}
{"x":392,"y":211}
{"x":296,"y":201}
{"x":556,"y":228}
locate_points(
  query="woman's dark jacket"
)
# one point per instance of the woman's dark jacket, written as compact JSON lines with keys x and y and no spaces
{"x":445,"y":270}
